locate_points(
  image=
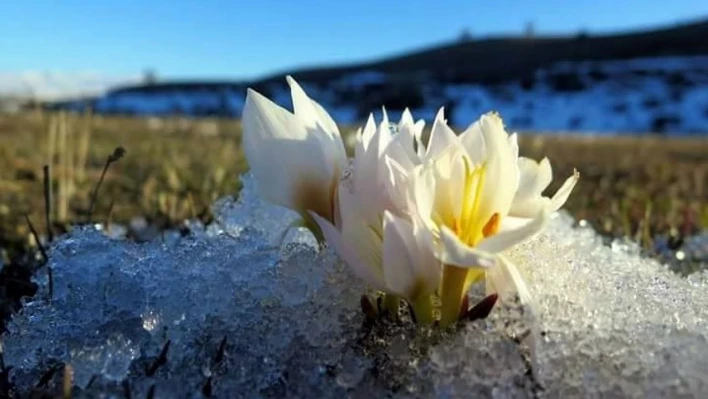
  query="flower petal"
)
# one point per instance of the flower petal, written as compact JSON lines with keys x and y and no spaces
{"x":405,"y":272}
{"x":502,"y":172}
{"x":309,"y":111}
{"x":561,"y":196}
{"x":473,"y":141}
{"x":349,"y":254}
{"x":504,"y":279}
{"x":534,"y":177}
{"x":528,"y":208}
{"x":507,"y":238}
{"x":441,"y":136}
{"x":288,"y":165}
{"x":314,"y":117}
{"x":456,"y":253}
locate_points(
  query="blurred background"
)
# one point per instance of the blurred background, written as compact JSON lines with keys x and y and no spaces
{"x":618,"y":89}
{"x":602,"y":67}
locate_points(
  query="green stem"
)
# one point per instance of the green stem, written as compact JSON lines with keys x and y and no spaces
{"x":453,"y":283}
{"x":310,"y":224}
{"x":423,"y":310}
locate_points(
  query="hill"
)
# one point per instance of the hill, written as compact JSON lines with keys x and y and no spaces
{"x":667,"y":67}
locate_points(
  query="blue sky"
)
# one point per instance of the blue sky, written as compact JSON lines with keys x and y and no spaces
{"x":243,"y":39}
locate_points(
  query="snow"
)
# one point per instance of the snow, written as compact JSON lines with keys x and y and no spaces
{"x":660,"y":94}
{"x":606,"y":322}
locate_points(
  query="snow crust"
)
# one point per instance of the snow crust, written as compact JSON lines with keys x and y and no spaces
{"x":238,"y":316}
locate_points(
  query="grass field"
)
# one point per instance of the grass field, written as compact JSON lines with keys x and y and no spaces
{"x":175,"y":168}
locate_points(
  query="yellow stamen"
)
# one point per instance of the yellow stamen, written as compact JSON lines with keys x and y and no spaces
{"x":474,"y":184}
{"x":492,"y":226}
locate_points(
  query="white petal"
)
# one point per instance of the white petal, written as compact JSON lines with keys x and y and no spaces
{"x":534,"y":178}
{"x":406,"y":118}
{"x":428,"y":265}
{"x":473,"y":141}
{"x":514,"y":144}
{"x":508,"y":238}
{"x":314,"y":117}
{"x":456,"y":253}
{"x":502,"y":175}
{"x":441,"y":136}
{"x":505,"y":280}
{"x":528,"y":208}
{"x":311,"y":113}
{"x":420,"y":147}
{"x":404,"y":270}
{"x":398,"y":186}
{"x":563,"y":193}
{"x":349,"y":254}
{"x":287,"y":163}
{"x":424,"y":184}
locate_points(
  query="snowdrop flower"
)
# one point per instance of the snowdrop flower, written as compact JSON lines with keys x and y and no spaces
{"x":296,"y":158}
{"x":463,"y":193}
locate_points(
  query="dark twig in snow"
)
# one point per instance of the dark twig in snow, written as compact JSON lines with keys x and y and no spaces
{"x":221,"y":351}
{"x":206,"y":388}
{"x":36,"y":239}
{"x":159,"y":361}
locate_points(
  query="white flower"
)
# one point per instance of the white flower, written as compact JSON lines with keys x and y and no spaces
{"x":377,"y":237}
{"x":463,"y":193}
{"x":534,"y":178}
{"x":296,"y":158}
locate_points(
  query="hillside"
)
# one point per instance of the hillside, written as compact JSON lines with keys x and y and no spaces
{"x":652,"y":80}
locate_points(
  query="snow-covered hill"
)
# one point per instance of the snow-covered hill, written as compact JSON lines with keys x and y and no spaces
{"x":658,"y":94}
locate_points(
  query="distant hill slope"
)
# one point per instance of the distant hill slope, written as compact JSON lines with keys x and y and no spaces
{"x":493,"y":60}
{"x":654,"y":80}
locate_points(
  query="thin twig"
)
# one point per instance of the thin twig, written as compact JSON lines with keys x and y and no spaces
{"x":221,"y":351}
{"x":48,"y":200}
{"x":50,"y":274}
{"x":159,"y":361}
{"x":118,"y":153}
{"x":36,"y":238}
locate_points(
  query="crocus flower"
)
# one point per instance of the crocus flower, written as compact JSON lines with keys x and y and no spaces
{"x":463,"y":193}
{"x":377,"y":237}
{"x":296,"y":158}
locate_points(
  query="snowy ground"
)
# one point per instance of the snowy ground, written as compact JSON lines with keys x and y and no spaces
{"x":246,"y":319}
{"x":663,"y":94}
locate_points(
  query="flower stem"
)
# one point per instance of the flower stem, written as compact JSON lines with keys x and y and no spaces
{"x":310,"y":224}
{"x":423,"y":310}
{"x":453,"y":283}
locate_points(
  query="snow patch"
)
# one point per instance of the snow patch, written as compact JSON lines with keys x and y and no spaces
{"x":247,"y":318}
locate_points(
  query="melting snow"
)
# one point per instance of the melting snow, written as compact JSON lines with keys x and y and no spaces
{"x":607,"y":322}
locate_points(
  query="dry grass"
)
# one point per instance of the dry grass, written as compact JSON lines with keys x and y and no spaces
{"x":175,"y":168}
{"x":632,"y":186}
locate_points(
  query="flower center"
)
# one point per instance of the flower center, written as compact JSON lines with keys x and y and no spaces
{"x":467,"y":225}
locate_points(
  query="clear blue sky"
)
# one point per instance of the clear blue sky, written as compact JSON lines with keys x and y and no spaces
{"x":236,"y":39}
